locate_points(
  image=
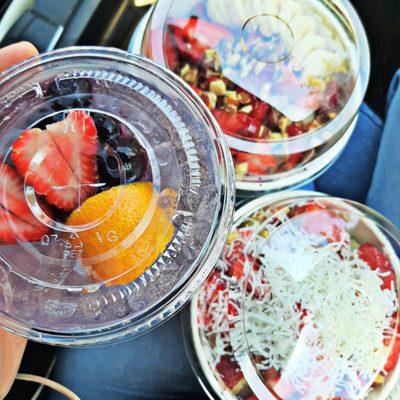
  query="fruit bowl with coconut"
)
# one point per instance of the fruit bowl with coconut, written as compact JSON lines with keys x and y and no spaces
{"x":303,"y":304}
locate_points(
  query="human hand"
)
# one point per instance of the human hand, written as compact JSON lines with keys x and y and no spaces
{"x":11,"y":346}
{"x":15,"y":53}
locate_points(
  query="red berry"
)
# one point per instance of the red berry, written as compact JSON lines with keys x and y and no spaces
{"x":377,"y":260}
{"x":294,"y":130}
{"x":394,"y":355}
{"x":16,"y":219}
{"x":260,"y":110}
{"x":67,"y":174}
{"x":229,"y":371}
{"x":257,"y":163}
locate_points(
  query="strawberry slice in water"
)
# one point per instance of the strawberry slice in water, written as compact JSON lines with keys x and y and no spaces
{"x":60,"y":161}
{"x":16,"y":219}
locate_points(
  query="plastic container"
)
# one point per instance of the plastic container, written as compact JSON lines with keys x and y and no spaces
{"x":303,"y":304}
{"x":117,"y":196}
{"x":284,"y":79}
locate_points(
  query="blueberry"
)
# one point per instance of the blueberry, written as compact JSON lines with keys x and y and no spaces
{"x":74,"y":93}
{"x":129,"y":154}
{"x":107,"y":166}
{"x":50,"y":120}
{"x":107,"y":129}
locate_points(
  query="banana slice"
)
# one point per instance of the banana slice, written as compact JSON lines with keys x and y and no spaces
{"x":216,"y":11}
{"x":239,"y":11}
{"x":302,"y":25}
{"x":289,"y":9}
{"x":304,"y":47}
{"x":257,"y":7}
{"x":271,"y":7}
{"x":320,"y":63}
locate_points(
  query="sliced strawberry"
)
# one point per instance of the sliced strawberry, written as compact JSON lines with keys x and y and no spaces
{"x":256,"y":164}
{"x":293,"y":160}
{"x":16,"y":219}
{"x":171,"y":53}
{"x":394,"y":355}
{"x":294,"y":130}
{"x":260,"y":110}
{"x":237,"y":269}
{"x":237,"y":124}
{"x":60,"y":162}
{"x":377,"y":260}
{"x":198,"y":31}
{"x":271,"y":377}
{"x":229,"y":371}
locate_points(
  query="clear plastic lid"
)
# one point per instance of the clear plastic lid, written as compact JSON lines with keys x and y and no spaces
{"x":303,"y":304}
{"x":116,"y":195}
{"x":278,"y":75}
{"x":318,"y":313}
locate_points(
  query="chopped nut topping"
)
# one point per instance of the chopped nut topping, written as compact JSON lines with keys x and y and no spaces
{"x":191,"y":76}
{"x":218,"y":87}
{"x":246,"y":109}
{"x":211,"y":99}
{"x":244,"y":98}
{"x":275,"y":136}
{"x":283,"y":123}
{"x":332,"y":115}
{"x":185,"y":70}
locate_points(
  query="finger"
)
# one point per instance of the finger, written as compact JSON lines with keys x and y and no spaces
{"x":15,"y":53}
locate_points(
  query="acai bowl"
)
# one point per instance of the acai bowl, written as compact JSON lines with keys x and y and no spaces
{"x":283,"y":78}
{"x":302,"y":305}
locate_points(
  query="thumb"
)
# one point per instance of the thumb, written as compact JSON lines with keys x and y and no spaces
{"x":15,"y":53}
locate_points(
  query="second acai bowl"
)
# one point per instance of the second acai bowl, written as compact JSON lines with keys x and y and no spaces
{"x":283,"y":78}
{"x":116,"y":196}
{"x":302,"y":305}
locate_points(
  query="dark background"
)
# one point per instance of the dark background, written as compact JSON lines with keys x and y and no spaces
{"x":112,"y":23}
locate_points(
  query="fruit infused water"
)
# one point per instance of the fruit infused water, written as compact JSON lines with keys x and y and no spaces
{"x":113,"y":187}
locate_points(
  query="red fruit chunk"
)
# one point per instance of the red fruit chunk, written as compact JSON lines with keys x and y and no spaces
{"x":192,"y":37}
{"x":293,"y":161}
{"x":257,"y":164}
{"x":229,"y":371}
{"x":16,"y":219}
{"x":232,"y":309}
{"x":294,"y":130}
{"x":309,"y":207}
{"x":195,"y":29}
{"x":260,"y":110}
{"x":236,"y":270}
{"x":237,"y":124}
{"x":271,"y":377}
{"x":377,"y":260}
{"x":394,"y":355}
{"x":64,"y":154}
{"x":171,"y":54}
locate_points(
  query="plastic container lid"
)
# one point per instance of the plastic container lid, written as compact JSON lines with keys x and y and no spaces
{"x":310,"y":309}
{"x":116,"y":194}
{"x":281,"y":77}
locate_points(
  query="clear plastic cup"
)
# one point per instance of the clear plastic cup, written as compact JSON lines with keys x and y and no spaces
{"x":303,"y":304}
{"x":116,"y":191}
{"x":283,"y":78}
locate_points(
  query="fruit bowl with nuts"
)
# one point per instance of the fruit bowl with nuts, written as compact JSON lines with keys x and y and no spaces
{"x":284,"y":79}
{"x":302,"y":305}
